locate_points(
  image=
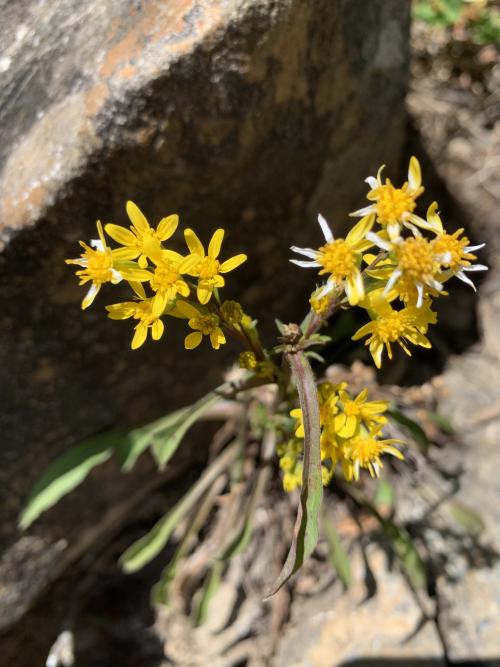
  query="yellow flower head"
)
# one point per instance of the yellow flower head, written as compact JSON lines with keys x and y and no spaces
{"x":340,"y":259}
{"x":204,"y":324}
{"x":457,"y":256}
{"x":405,"y":326}
{"x":100,"y":265}
{"x":135,"y":239}
{"x":393,"y":206}
{"x":209,"y":268}
{"x":365,"y":450}
{"x":413,"y":261}
{"x":358,"y":411}
{"x":141,"y":311}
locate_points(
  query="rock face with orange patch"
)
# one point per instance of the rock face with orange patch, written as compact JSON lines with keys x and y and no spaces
{"x":250,"y":114}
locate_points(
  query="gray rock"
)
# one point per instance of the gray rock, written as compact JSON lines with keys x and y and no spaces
{"x":251,"y":114}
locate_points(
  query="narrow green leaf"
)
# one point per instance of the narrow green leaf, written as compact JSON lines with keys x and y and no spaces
{"x":166,"y":441}
{"x":384,"y":495}
{"x":415,"y":429}
{"x":400,"y":539}
{"x":468,"y":518}
{"x":147,"y":547}
{"x":338,"y":555}
{"x":209,"y":589}
{"x":66,"y":473}
{"x":306,"y":530}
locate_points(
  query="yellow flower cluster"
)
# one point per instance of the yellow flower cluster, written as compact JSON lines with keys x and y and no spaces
{"x":350,"y":436}
{"x":409,"y":268}
{"x":164,"y":282}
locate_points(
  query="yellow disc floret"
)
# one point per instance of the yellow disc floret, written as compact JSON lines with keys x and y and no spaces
{"x":338,"y":259}
{"x":393,"y":204}
{"x":416,"y":259}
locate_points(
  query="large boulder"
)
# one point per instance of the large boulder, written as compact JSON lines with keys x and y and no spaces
{"x":250,"y":114}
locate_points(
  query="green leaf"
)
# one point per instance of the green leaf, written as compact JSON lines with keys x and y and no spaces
{"x":400,"y":539}
{"x":306,"y":530}
{"x":66,"y":473}
{"x":209,"y":589}
{"x":338,"y":555}
{"x":166,"y":441}
{"x":468,"y":518}
{"x":149,"y":546}
{"x":384,"y":495}
{"x":416,"y":431}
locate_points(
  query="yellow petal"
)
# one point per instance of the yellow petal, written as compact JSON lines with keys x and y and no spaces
{"x":137,"y":217}
{"x":360,"y":229}
{"x":232,"y":263}
{"x":192,"y":340}
{"x":133,"y":273}
{"x":193,"y":243}
{"x":101,"y":233}
{"x":159,"y":303}
{"x":167,"y":226}
{"x":140,"y":335}
{"x":414,"y":174}
{"x":121,"y":235}
{"x":188,"y":263}
{"x":203,"y":294}
{"x":88,"y":299}
{"x":157,"y":329}
{"x":215,"y":243}
{"x":127,"y":253}
{"x":187,"y":310}
{"x":121,"y":311}
{"x":138,"y":289}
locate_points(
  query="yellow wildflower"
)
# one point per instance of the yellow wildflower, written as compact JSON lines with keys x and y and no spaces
{"x":414,"y":260}
{"x":364,"y":451}
{"x":141,"y":311}
{"x":458,"y":256}
{"x":209,"y":268}
{"x":341,"y":258}
{"x":357,"y":411}
{"x":135,"y":239}
{"x":204,"y":324}
{"x":405,"y":326}
{"x":100,"y":265}
{"x":393,"y":206}
{"x":166,"y":278}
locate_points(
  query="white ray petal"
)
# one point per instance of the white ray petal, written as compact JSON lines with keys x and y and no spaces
{"x":471,"y":248}
{"x":117,"y":276}
{"x":465,"y":279}
{"x":306,"y":265}
{"x":379,"y":242}
{"x":475,"y":267}
{"x":307,"y":252}
{"x":435,"y":284}
{"x":361,"y":212}
{"x":392,"y":280}
{"x":91,"y":295}
{"x":97,"y":244}
{"x":372,"y":182}
{"x":328,"y":287}
{"x":325,"y":228}
{"x":393,"y":231}
{"x":420,"y":290}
